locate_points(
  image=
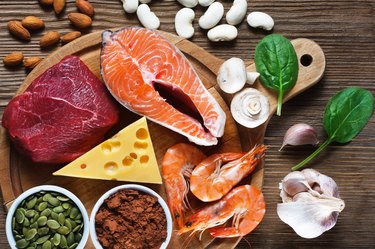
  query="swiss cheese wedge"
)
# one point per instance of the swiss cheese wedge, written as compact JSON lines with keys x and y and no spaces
{"x":127,"y":156}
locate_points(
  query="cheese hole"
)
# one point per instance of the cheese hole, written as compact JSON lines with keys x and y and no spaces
{"x":133,"y":155}
{"x":110,"y":146}
{"x":111,"y":168}
{"x":144,"y":159}
{"x":140,"y":145}
{"x":127,"y":161}
{"x":142,"y":133}
{"x":83,"y":166}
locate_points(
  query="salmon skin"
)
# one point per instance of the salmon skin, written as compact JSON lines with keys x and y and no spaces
{"x":139,"y":65}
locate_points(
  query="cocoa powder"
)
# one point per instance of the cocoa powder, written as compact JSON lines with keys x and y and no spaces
{"x":131,"y":219}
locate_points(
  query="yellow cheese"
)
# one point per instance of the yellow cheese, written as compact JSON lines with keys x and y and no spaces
{"x":127,"y":156}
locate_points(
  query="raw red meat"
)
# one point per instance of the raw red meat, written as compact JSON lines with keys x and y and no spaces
{"x":63,"y":113}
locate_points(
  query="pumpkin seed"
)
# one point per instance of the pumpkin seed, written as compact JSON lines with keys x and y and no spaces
{"x":47,"y":245}
{"x":26,"y":222}
{"x":20,"y":217}
{"x":63,"y":230}
{"x":31,"y":247}
{"x":22,"y":243}
{"x":62,"y":198}
{"x":24,"y":230}
{"x":42,"y":206}
{"x":56,"y":239}
{"x":30,"y":213}
{"x":43,"y":231}
{"x":73,"y":212}
{"x":14,"y":223}
{"x":53,"y":201}
{"x":61,"y":219}
{"x":31,"y":203}
{"x":46,"y":196}
{"x":78,"y":237}
{"x":29,"y":235}
{"x":58,"y":209}
{"x":46,"y":212}
{"x":77,"y":228}
{"x":53,"y":224}
{"x":72,"y":222}
{"x":70,"y":239}
{"x":73,"y":246}
{"x":79,"y":217}
{"x":42,"y":220}
{"x":66,"y":205}
{"x":34,"y":225}
{"x":63,"y":242}
{"x":18,"y":237}
{"x":43,"y":239}
{"x":68,"y":224}
{"x":54,"y":216}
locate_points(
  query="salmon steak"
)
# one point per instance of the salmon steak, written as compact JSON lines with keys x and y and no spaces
{"x":149,"y":76}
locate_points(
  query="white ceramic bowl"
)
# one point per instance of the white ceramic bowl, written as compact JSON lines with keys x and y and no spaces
{"x":47,"y":188}
{"x":149,"y":191}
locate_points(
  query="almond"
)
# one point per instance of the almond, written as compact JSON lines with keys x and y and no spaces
{"x":32,"y":23}
{"x":85,"y":7}
{"x":49,"y":39}
{"x":70,"y":36}
{"x":58,"y":6}
{"x":79,"y":20}
{"x":16,"y":29}
{"x":13,"y":59}
{"x":46,"y":2}
{"x":31,"y":62}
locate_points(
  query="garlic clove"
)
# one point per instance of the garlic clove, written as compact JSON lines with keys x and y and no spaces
{"x":232,"y":75}
{"x":300,"y":134}
{"x":292,"y":184}
{"x":321,"y":183}
{"x":250,"y":108}
{"x":312,"y":216}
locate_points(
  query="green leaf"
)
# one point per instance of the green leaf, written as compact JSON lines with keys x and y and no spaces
{"x":276,"y":62}
{"x":346,"y":114}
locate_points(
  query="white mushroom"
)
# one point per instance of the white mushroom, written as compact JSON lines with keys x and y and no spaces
{"x":251,"y":77}
{"x":232,"y":75}
{"x":311,"y":202}
{"x":250,"y":108}
{"x":183,"y":22}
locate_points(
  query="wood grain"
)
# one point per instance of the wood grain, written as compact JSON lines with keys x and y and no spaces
{"x":346,"y":31}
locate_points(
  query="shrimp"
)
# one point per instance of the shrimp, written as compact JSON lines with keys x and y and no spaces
{"x":178,"y":162}
{"x":210,"y":181}
{"x":244,"y":203}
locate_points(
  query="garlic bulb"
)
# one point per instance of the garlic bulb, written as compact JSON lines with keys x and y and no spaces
{"x":300,"y":134}
{"x":311,"y":202}
{"x":250,"y":108}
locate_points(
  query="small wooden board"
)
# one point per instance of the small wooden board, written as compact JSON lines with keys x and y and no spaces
{"x":18,"y":174}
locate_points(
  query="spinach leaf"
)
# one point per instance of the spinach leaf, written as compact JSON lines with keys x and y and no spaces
{"x":346,"y":114}
{"x":276,"y":62}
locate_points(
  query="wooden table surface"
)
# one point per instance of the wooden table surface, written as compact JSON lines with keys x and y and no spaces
{"x":346,"y":32}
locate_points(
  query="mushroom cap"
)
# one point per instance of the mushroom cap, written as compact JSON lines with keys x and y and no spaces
{"x":232,"y":75}
{"x":250,"y":108}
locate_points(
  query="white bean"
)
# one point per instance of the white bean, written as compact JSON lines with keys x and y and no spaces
{"x":212,"y":16}
{"x":184,"y":22}
{"x":262,"y":20}
{"x":130,"y":6}
{"x":223,"y":32}
{"x":145,"y":1}
{"x":205,"y":3}
{"x":147,"y":17}
{"x":237,"y":12}
{"x":188,"y":3}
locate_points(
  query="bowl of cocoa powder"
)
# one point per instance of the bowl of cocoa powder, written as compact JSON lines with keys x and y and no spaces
{"x":130,"y":216}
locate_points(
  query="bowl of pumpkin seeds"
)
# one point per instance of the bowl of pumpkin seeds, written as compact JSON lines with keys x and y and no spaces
{"x":47,"y":217}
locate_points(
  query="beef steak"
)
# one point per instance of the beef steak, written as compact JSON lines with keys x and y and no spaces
{"x":63,"y":113}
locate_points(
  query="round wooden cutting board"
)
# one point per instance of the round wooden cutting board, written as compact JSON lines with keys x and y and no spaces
{"x":18,"y":174}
